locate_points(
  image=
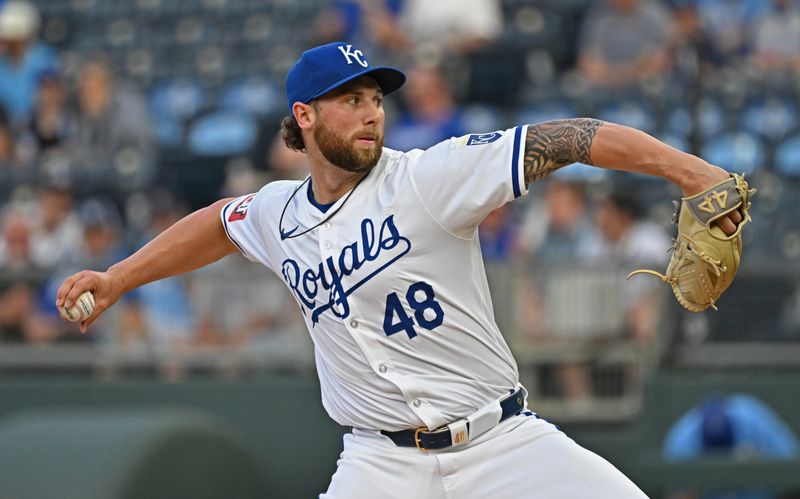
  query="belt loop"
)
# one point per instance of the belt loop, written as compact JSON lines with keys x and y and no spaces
{"x":485,"y":419}
{"x":459,"y":432}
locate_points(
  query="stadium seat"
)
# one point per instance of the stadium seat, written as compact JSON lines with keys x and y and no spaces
{"x":787,"y":157}
{"x":678,"y":121}
{"x":222,"y":133}
{"x":548,"y":110}
{"x":481,"y":118}
{"x":580,"y":172}
{"x":771,"y":118}
{"x":252,"y":95}
{"x":739,"y":152}
{"x":178,"y":98}
{"x":630,"y":113}
{"x":710,"y":118}
{"x":121,"y":33}
{"x":678,"y":141}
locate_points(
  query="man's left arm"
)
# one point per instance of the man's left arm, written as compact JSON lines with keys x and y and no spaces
{"x":553,"y":144}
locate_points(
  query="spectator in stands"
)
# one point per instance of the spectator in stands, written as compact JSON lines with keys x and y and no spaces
{"x":624,"y":42}
{"x":431,"y":114}
{"x":9,"y":159}
{"x":364,"y":23}
{"x":626,"y":238}
{"x":737,"y":426}
{"x":167,"y":317}
{"x":726,"y":27}
{"x":284,"y":163}
{"x":101,"y":245}
{"x":776,"y":40}
{"x":112,"y":117}
{"x":458,"y":26}
{"x":254,"y":325}
{"x":24,"y":59}
{"x":555,"y":228}
{"x":19,"y":278}
{"x":409,"y":26}
{"x":499,"y":238}
{"x":602,"y":305}
{"x":52,"y":122}
{"x":56,"y":229}
{"x":499,"y":235}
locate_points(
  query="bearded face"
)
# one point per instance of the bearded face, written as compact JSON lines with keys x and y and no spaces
{"x":343,"y":151}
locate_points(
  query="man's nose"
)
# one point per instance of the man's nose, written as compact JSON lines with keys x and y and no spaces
{"x":373,"y":114}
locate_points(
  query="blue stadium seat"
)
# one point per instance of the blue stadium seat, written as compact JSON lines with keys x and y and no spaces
{"x":222,"y":133}
{"x":122,"y":33}
{"x":481,"y":118}
{"x":252,"y":95}
{"x":177,"y":98}
{"x":546,"y":111}
{"x":711,"y":117}
{"x":580,"y":172}
{"x":787,"y":157}
{"x":678,"y":141}
{"x":772,"y":117}
{"x":630,"y":113}
{"x":678,"y":121}
{"x":738,"y":152}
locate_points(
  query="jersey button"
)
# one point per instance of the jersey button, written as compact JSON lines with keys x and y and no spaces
{"x":327,"y":245}
{"x":353,"y":323}
{"x":326,"y":226}
{"x":383,"y":368}
{"x":417,"y":402}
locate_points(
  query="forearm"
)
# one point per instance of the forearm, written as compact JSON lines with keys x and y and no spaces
{"x":193,"y":242}
{"x":618,"y":147}
{"x":554,"y":144}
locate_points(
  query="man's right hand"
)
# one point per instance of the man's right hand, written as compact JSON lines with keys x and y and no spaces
{"x":106,"y":288}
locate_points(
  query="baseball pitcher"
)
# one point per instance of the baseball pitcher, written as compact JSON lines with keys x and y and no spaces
{"x":380,"y":250}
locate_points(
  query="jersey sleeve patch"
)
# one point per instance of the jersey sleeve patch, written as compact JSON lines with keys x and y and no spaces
{"x":479,"y":139}
{"x":475,"y":139}
{"x":239,"y":212}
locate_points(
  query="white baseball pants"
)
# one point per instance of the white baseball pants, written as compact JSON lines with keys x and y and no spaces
{"x":522,"y":457}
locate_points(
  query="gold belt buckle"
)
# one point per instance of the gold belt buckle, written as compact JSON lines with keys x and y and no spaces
{"x":418,"y":441}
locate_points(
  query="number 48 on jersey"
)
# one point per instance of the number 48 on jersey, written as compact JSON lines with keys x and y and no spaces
{"x":426,"y":310}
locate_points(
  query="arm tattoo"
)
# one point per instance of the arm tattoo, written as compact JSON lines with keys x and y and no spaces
{"x":553,"y":144}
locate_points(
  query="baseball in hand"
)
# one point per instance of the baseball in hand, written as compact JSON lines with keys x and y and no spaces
{"x":81,"y":310}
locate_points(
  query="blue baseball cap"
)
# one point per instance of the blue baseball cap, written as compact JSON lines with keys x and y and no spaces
{"x":321,"y":69}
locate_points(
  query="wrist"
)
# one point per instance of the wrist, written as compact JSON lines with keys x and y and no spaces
{"x":697,"y":175}
{"x":119,"y":283}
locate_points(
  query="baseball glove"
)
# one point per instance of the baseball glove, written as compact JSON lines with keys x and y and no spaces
{"x":705,"y":259}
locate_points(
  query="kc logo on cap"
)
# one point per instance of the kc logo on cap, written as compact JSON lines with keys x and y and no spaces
{"x":321,"y":69}
{"x":355,"y":54}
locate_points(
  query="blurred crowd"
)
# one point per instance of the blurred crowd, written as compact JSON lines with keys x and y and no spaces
{"x":119,"y":117}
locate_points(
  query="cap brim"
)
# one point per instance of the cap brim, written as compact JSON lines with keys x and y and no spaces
{"x":388,"y":78}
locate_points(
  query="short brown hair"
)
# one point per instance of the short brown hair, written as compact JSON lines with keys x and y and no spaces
{"x":291,"y":134}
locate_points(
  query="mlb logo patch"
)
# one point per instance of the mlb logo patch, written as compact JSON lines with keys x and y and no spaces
{"x":478,"y":139}
{"x":240,"y":211}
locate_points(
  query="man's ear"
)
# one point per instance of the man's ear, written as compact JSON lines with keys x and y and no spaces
{"x":304,"y":114}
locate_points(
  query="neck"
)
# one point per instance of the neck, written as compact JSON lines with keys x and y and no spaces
{"x":329,"y":182}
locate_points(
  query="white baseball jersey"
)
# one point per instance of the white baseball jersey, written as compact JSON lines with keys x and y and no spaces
{"x":390,"y":279}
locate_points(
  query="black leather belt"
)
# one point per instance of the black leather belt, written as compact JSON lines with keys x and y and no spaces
{"x":440,"y":438}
